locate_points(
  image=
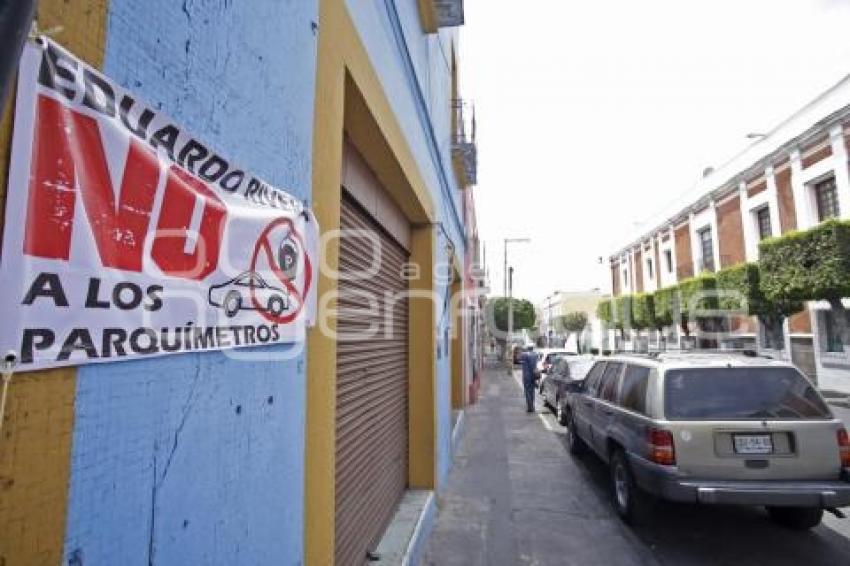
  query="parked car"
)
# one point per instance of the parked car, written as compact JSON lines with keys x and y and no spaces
{"x":565,"y":370}
{"x":546,"y":357}
{"x":516,"y":354}
{"x":712,"y":429}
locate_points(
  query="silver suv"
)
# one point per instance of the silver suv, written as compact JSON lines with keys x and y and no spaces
{"x":712,"y":428}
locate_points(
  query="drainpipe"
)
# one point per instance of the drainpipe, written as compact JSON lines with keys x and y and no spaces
{"x":15,"y":21}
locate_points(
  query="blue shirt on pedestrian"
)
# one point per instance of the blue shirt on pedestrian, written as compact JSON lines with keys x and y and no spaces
{"x":529,"y":366}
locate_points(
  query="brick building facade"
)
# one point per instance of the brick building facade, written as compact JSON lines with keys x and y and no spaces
{"x":791,"y":179}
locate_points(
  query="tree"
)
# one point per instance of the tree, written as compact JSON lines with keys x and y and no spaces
{"x":643,"y":311}
{"x":643,"y":314}
{"x":604,"y":311}
{"x":665,"y":303}
{"x":524,"y":317}
{"x":697,"y":294}
{"x":573,"y":322}
{"x":741,"y":290}
{"x":623,"y":312}
{"x":813,"y":265}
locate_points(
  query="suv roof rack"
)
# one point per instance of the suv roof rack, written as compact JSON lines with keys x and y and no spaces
{"x":661,"y":354}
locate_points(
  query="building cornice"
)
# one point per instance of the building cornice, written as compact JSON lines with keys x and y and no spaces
{"x":810,"y":136}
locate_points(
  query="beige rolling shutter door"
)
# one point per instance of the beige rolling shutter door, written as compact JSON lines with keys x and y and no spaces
{"x":372,"y":388}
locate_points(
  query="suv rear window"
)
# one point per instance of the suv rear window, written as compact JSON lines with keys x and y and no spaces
{"x":592,"y":379}
{"x":608,"y":388}
{"x":633,"y":392}
{"x":741,"y":393}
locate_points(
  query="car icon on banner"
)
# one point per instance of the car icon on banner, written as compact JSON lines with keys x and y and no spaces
{"x":235,"y":295}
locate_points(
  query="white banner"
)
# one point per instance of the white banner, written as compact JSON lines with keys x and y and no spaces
{"x":126,"y":237}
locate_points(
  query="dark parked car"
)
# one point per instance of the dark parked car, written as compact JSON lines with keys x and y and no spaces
{"x":565,"y":369}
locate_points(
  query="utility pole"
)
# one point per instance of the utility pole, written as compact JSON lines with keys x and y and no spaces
{"x":510,"y":282}
{"x":15,"y":23}
{"x":505,"y":272}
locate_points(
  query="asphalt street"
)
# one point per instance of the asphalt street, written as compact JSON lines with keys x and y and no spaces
{"x":516,"y":496}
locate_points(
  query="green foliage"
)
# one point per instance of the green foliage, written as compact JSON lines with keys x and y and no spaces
{"x":573,"y":321}
{"x":524,"y":316}
{"x":666,"y":303}
{"x":739,"y":286}
{"x":810,"y":265}
{"x":604,"y":311}
{"x":697,"y":293}
{"x":643,"y":311}
{"x":622,"y":311}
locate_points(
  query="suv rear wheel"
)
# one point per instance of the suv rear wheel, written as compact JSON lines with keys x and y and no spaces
{"x":576,"y":444}
{"x":797,"y":518}
{"x":629,"y":502}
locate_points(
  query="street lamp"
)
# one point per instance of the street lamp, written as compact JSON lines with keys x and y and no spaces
{"x":505,"y":276}
{"x":506,"y":293}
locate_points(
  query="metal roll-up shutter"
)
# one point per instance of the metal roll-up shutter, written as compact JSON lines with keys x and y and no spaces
{"x":372,"y":384}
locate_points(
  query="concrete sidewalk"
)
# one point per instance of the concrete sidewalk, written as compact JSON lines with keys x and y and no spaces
{"x":515,"y":495}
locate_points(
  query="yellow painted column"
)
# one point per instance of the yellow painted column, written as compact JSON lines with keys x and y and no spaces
{"x":35,"y":447}
{"x":320,"y":445}
{"x":422,"y":361}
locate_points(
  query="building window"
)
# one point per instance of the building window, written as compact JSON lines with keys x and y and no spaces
{"x":707,"y":248}
{"x":668,"y":259}
{"x":763,"y":222}
{"x":827,"y":199}
{"x":833,"y":338}
{"x":649,"y":268}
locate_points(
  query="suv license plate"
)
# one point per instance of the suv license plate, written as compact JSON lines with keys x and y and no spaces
{"x":753,"y":443}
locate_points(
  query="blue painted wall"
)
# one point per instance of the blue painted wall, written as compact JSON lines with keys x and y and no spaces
{"x":162,"y":447}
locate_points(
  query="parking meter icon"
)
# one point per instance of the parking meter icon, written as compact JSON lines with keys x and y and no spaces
{"x":287,"y":258}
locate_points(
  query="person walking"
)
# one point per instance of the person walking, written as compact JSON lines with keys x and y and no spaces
{"x":529,"y":367}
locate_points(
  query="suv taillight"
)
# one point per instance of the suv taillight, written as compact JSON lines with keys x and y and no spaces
{"x":844,"y":447}
{"x":661,"y":446}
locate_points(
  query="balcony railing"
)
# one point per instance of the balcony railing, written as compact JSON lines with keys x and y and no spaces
{"x":449,"y":13}
{"x":436,"y":14}
{"x":464,"y":148}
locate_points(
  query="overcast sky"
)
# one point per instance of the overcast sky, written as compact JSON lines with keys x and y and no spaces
{"x":593,"y":115}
